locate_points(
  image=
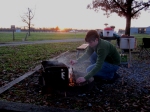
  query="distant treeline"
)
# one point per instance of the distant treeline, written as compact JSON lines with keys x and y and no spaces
{"x":41,"y":30}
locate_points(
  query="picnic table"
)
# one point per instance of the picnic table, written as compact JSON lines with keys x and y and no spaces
{"x":81,"y":48}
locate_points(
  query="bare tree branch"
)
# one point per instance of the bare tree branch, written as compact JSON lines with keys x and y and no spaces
{"x":27,"y":17}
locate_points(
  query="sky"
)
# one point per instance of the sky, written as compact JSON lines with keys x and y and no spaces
{"x":62,"y":13}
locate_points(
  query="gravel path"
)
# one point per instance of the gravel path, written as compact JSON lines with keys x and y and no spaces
{"x":138,"y":74}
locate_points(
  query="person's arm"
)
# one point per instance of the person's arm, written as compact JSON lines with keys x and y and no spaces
{"x":101,"y":55}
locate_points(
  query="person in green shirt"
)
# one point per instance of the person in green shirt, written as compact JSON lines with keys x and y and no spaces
{"x":104,"y":58}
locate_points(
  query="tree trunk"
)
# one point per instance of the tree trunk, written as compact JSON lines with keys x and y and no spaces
{"x":29,"y":29}
{"x":128,"y":24}
{"x":29,"y":22}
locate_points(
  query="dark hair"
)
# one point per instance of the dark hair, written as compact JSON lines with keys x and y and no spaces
{"x":91,"y":35}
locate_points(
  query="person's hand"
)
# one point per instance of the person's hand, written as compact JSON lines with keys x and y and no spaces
{"x":72,"y":62}
{"x":80,"y":80}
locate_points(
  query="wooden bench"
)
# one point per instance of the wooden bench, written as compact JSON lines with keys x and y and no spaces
{"x":81,"y":48}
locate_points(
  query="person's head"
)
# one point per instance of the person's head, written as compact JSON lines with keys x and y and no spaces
{"x":92,"y":38}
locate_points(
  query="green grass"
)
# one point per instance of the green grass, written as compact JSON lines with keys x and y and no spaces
{"x":18,"y":59}
{"x":139,"y":37}
{"x":8,"y":37}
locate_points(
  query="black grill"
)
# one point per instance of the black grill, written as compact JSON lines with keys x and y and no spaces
{"x":54,"y":75}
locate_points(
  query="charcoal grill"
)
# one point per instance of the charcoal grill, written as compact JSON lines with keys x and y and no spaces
{"x":58,"y":78}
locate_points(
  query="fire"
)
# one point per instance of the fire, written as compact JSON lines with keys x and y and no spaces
{"x":71,"y":77}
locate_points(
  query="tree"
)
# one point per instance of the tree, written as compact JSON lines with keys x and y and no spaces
{"x":26,"y":18}
{"x":130,"y":9}
{"x":57,"y":28}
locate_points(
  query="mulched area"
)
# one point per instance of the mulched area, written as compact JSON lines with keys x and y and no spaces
{"x":130,"y":93}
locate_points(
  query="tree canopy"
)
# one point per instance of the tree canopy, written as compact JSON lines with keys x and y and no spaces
{"x":130,"y":9}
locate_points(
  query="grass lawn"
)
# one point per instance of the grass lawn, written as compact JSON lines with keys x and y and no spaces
{"x":19,"y":59}
{"x":8,"y":37}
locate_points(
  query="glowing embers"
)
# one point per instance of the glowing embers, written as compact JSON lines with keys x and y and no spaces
{"x":72,"y":80}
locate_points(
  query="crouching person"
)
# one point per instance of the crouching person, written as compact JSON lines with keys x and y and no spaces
{"x":104,"y":58}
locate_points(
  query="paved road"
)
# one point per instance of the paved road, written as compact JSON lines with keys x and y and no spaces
{"x":38,"y":42}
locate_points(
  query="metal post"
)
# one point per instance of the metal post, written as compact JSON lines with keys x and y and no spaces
{"x":129,"y":53}
{"x":13,"y":35}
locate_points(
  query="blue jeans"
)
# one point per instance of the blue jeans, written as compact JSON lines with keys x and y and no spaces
{"x":106,"y":72}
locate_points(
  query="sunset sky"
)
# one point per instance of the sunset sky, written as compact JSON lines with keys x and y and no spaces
{"x":62,"y":13}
